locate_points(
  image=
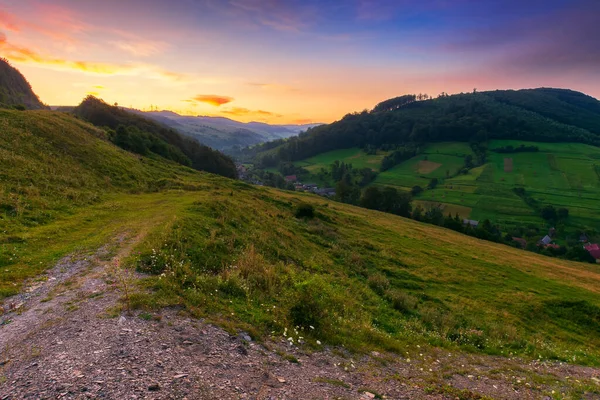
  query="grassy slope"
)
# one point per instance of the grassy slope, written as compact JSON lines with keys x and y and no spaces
{"x":51,"y":163}
{"x":561,"y":174}
{"x":236,"y":254}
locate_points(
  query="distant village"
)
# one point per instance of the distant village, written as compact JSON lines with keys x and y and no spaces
{"x":291,"y":180}
{"x":547,"y":242}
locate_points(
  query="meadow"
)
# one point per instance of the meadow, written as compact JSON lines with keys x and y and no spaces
{"x":560,"y":174}
{"x":355,"y":156}
{"x":239,"y":256}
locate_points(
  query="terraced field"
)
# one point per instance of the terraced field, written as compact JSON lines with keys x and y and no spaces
{"x":355,"y":156}
{"x":561,"y":174}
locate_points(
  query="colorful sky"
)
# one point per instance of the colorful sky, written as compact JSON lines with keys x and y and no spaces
{"x":295,"y":61}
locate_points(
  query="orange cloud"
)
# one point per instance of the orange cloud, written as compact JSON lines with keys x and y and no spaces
{"x":240,"y":111}
{"x":24,"y":55}
{"x":8,"y":22}
{"x":212,"y":99}
{"x":139,"y":48}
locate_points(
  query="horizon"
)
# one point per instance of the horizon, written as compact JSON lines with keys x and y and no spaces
{"x":290,"y":62}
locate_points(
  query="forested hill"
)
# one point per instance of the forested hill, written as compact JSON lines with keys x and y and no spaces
{"x":141,"y":135}
{"x":15,"y":91}
{"x":543,"y":115}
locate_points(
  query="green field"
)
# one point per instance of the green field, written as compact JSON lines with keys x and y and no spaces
{"x":561,"y":174}
{"x":355,"y":156}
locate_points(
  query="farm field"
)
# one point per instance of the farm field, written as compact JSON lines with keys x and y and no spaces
{"x":355,"y":156}
{"x":561,"y":174}
{"x":439,"y":160}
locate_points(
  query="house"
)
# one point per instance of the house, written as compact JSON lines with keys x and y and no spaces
{"x":310,"y":186}
{"x":545,"y":241}
{"x":327,"y":192}
{"x":471,"y":222}
{"x":522,"y":242}
{"x":552,"y":246}
{"x":594,"y":250}
{"x":291,"y":178}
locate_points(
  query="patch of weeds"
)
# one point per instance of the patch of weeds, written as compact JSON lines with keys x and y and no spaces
{"x":460,"y":394}
{"x":288,"y":357}
{"x":365,"y":390}
{"x":333,"y":382}
{"x":46,"y":299}
{"x":146,"y":316}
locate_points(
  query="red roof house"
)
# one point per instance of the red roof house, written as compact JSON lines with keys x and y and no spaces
{"x":291,"y":178}
{"x":594,"y":250}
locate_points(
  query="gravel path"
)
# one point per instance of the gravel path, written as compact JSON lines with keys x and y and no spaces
{"x":61,"y":339}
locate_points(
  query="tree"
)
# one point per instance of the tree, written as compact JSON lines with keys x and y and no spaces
{"x":416,"y":190}
{"x":563,"y":213}
{"x":370,"y":198}
{"x":549,"y":213}
{"x":433,"y":183}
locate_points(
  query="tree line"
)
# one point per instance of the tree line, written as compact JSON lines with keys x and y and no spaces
{"x":140,"y":135}
{"x":474,"y":117}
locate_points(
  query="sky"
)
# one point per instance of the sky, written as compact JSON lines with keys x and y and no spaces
{"x":296,"y":61}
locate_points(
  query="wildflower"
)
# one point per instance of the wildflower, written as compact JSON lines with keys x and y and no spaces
{"x":318,"y":342}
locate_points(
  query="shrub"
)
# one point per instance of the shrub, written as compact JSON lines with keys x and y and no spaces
{"x":310,"y":307}
{"x":379,"y":283}
{"x":305,"y":210}
{"x":402,"y":301}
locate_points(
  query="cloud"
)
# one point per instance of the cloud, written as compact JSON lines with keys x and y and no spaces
{"x":279,"y":15}
{"x":563,"y":41}
{"x":212,"y":99}
{"x":140,"y":48}
{"x":241,"y":111}
{"x":19,"y":54}
{"x":273,"y":87}
{"x":8,"y":22}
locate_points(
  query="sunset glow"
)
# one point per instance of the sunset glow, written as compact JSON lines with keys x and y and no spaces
{"x":295,"y":61}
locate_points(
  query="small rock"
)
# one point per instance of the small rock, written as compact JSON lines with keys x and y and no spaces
{"x":245,"y":336}
{"x":281,"y":380}
{"x":369,"y":395}
{"x":121,"y":320}
{"x":155,"y":387}
{"x":179,"y":376}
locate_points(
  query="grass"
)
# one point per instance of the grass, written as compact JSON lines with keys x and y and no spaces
{"x":237,"y":255}
{"x":355,"y":156}
{"x":561,"y":174}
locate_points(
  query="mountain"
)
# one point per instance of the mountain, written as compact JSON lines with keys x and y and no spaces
{"x":15,"y":91}
{"x":224,"y":133}
{"x":544,"y":115}
{"x":139,"y":134}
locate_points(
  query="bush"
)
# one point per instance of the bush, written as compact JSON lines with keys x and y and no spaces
{"x":379,"y":283}
{"x":305,"y":210}
{"x":310,"y":307}
{"x":402,"y":301}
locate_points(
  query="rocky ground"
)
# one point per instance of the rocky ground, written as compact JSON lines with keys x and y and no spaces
{"x":65,"y":338}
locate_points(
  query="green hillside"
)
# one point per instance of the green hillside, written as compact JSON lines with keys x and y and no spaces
{"x":241,"y":257}
{"x":141,"y":135}
{"x":52,"y":164}
{"x":15,"y":91}
{"x":540,"y":115}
